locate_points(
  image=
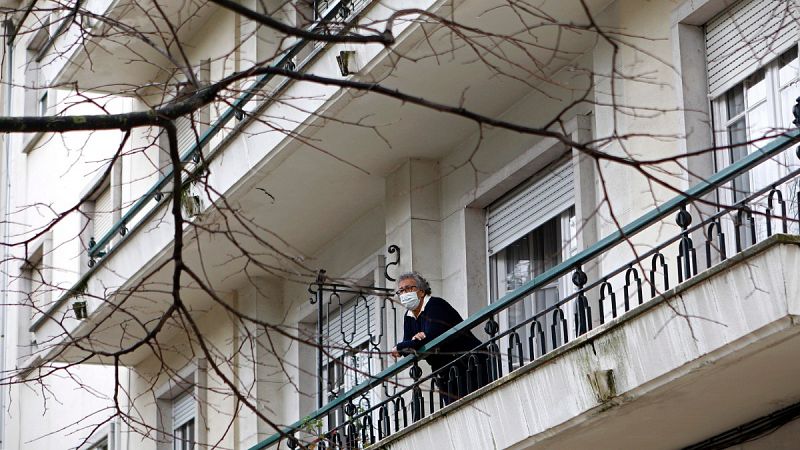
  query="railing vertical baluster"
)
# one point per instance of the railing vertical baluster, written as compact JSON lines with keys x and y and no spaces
{"x":494,"y":368}
{"x":658,"y":258}
{"x":744,"y":211}
{"x":715,"y":226}
{"x":431,"y":398}
{"x":417,"y":400}
{"x":583,"y":312}
{"x":384,"y":428}
{"x":607,"y":289}
{"x":514,"y":343}
{"x":367,"y":432}
{"x":453,"y":384}
{"x":779,"y":195}
{"x":537,"y":332}
{"x":399,"y":403}
{"x":475,"y":373}
{"x":687,"y":256}
{"x":626,"y":289}
{"x":558,"y":319}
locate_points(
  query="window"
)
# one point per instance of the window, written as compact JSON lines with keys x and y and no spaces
{"x":180,"y":403}
{"x":183,"y":412}
{"x":104,"y":438}
{"x":189,"y":129}
{"x":347,"y":330}
{"x":42,"y":110}
{"x":757,"y":107}
{"x":35,"y":84}
{"x":37,"y":273}
{"x":35,"y":96}
{"x":531,"y":230}
{"x":101,"y":211}
{"x":344,"y":373}
{"x":753,"y":79}
{"x":102,"y":219}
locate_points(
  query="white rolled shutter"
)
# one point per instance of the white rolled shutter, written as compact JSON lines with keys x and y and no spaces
{"x":182,"y":409}
{"x":185,"y":133}
{"x":530,"y":204}
{"x":103,"y":213}
{"x":745,"y":36}
{"x":349,"y":325}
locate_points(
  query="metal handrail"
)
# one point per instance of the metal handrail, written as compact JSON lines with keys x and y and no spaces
{"x":653,"y":216}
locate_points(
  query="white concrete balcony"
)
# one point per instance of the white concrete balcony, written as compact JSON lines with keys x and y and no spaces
{"x":656,"y":335}
{"x":714,"y":353}
{"x":248,"y":154}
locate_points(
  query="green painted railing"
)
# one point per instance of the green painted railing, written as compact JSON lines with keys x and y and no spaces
{"x":653,"y":216}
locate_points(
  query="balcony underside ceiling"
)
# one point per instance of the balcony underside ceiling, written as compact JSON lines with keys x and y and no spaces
{"x":337,"y":171}
{"x":134,"y":47}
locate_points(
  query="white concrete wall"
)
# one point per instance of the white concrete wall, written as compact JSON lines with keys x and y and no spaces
{"x":428,"y":208}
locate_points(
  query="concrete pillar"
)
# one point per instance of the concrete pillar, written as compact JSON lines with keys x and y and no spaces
{"x":413,"y":218}
{"x":259,"y":363}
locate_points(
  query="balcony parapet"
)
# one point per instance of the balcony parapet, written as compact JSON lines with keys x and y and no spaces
{"x":615,"y":297}
{"x":491,"y":416}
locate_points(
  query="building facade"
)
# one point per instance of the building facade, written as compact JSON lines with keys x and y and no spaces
{"x":605,"y":190}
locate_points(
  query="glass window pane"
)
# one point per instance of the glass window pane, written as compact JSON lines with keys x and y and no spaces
{"x":756,"y":85}
{"x":788,"y":67}
{"x":190,"y":435}
{"x":737,"y":134}
{"x":758,"y":125}
{"x":734,"y":101}
{"x":788,"y":99}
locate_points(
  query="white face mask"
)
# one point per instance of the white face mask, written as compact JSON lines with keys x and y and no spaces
{"x":410,"y":300}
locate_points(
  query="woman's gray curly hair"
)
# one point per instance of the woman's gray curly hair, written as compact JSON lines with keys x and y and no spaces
{"x":419,"y":280}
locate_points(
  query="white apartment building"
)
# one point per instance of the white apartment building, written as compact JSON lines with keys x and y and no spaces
{"x":606,"y":191}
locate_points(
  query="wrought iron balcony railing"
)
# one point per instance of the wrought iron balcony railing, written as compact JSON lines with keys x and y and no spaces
{"x":373,"y":412}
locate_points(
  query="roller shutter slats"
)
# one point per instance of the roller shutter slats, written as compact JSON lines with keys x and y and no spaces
{"x":103,"y":213}
{"x":354,"y":322}
{"x":745,"y":36}
{"x":530,"y":205}
{"x":182,"y":409}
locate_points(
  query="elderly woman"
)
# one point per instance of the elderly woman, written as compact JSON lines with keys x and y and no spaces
{"x":427,"y":318}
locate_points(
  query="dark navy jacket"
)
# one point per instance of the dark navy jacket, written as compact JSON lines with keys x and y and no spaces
{"x":436,"y":318}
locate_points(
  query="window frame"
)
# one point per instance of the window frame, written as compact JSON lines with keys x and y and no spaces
{"x":38,"y":265}
{"x":776,"y":117}
{"x":34,"y":84}
{"x":772,"y":101}
{"x":102,"y":180}
{"x":103,"y":439}
{"x":191,"y":379}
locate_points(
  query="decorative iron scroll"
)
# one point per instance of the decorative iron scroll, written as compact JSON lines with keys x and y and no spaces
{"x":359,"y":315}
{"x":392,"y":250}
